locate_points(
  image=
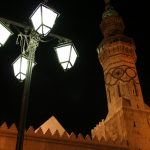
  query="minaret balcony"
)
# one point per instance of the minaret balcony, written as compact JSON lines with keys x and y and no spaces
{"x":116,"y":50}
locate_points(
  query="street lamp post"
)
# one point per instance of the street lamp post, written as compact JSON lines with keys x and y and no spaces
{"x":43,"y":19}
{"x":33,"y":44}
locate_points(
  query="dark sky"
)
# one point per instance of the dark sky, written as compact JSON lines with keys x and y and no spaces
{"x":76,"y":97}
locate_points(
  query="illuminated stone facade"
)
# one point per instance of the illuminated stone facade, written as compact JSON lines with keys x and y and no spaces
{"x":127,"y":125}
{"x":58,"y":140}
{"x":128,"y":116}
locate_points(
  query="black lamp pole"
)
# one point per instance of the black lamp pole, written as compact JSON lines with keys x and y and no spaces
{"x":33,"y":44}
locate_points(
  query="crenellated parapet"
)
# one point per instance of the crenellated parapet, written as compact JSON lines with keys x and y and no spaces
{"x":47,"y":140}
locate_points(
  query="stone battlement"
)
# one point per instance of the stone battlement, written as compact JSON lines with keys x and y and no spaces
{"x":38,"y":140}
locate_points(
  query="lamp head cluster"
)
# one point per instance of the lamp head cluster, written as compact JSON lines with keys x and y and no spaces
{"x":43,"y":19}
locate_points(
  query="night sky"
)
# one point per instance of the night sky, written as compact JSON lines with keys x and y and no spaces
{"x":76,"y":97}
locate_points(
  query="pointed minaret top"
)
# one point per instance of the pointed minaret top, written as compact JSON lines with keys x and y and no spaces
{"x":109,"y":10}
{"x":107,"y":4}
{"x":111,"y":22}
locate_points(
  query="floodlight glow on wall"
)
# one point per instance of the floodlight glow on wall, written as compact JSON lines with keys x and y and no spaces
{"x":20,"y":67}
{"x":43,"y":19}
{"x":66,"y":54}
{"x":5,"y":33}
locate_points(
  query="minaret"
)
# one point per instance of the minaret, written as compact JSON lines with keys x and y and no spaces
{"x":128,"y":116}
{"x":117,"y":56}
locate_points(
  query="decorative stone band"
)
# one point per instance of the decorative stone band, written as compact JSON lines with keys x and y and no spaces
{"x":121,"y":73}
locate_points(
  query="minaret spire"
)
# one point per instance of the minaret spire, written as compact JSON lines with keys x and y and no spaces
{"x":111,"y":23}
{"x":107,"y":4}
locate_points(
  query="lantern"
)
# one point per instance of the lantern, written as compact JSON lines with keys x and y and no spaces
{"x":66,"y":54}
{"x":20,"y":67}
{"x":43,"y":19}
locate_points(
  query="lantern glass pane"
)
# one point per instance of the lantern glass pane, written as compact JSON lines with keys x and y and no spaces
{"x":63,"y":53}
{"x":24,"y":65}
{"x":49,"y":17}
{"x":45,"y":30}
{"x":20,"y":66}
{"x":69,"y":66}
{"x":16,"y":66}
{"x":40,"y":30}
{"x":22,"y":76}
{"x":4,"y":34}
{"x":36,"y":18}
{"x":73,"y":56}
{"x":18,"y":76}
{"x":64,"y":65}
